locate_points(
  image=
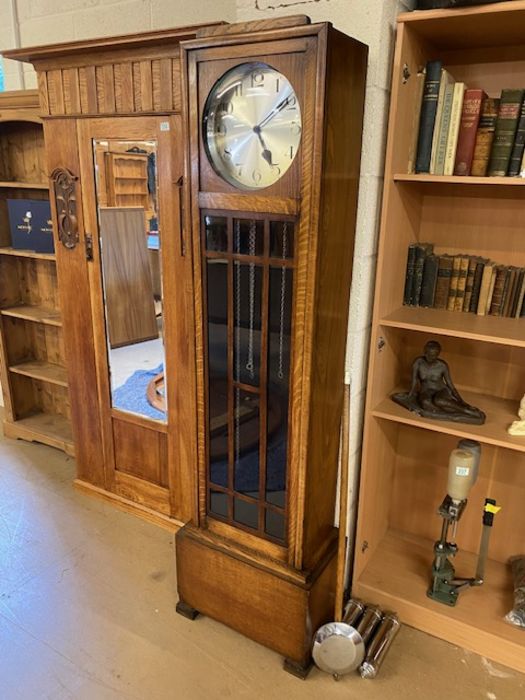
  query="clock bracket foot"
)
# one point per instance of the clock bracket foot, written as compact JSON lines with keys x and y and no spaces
{"x":297,"y":669}
{"x":186,"y":610}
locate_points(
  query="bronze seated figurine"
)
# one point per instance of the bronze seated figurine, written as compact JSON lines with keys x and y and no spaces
{"x":433,"y":394}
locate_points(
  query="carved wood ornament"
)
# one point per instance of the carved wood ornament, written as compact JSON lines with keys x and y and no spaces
{"x":64,"y":189}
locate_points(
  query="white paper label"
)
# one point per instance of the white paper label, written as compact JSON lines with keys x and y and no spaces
{"x":462,"y":471}
{"x":164,"y":126}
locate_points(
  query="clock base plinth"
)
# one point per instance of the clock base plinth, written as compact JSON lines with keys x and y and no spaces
{"x":186,"y":610}
{"x":265,"y":600}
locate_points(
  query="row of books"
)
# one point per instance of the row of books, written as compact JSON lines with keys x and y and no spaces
{"x":462,"y":131}
{"x":463,"y":283}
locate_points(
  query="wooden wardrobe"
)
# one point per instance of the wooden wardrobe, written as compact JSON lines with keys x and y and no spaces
{"x":105,"y":105}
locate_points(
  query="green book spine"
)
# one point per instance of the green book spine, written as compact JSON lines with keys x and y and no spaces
{"x":506,"y":126}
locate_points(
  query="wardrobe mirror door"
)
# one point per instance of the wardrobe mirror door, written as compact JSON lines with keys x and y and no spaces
{"x":130,"y":250}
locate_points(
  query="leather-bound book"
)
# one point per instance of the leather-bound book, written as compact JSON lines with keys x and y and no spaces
{"x":467,"y":130}
{"x":409,"y":274}
{"x":485,"y":136}
{"x":414,"y":129}
{"x":509,"y":291}
{"x":491,"y":290}
{"x":428,"y":287}
{"x":521,"y":295}
{"x":506,"y":126}
{"x":518,"y":148}
{"x":499,"y":287}
{"x":472,"y":261}
{"x":462,"y":283}
{"x":427,"y":117}
{"x":443,"y":281}
{"x":476,"y":284}
{"x":484,"y":291}
{"x":422,"y":250}
{"x":454,"y":278}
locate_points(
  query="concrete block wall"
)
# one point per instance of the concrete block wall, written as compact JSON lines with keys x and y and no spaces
{"x":54,"y":21}
{"x":370,"y":21}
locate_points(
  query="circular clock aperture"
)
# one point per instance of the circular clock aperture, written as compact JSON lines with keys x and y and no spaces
{"x":252,"y":126}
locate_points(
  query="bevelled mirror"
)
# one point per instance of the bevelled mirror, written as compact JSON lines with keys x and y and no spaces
{"x":130,"y":251}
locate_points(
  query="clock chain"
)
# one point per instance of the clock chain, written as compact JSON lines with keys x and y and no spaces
{"x":251,"y":291}
{"x":237,"y":422}
{"x":280,"y":372}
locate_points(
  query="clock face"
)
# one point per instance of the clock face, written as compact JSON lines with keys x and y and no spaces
{"x":252,"y":126}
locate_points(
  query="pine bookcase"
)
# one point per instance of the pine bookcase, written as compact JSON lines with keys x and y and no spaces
{"x":32,"y":362}
{"x":405,"y":457}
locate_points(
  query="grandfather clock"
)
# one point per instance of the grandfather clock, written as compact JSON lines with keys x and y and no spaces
{"x":274,"y":119}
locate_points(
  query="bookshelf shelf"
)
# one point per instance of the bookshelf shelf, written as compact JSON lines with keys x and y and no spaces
{"x":32,"y":356}
{"x":25,"y":185}
{"x":396,"y":577}
{"x":27,"y":254}
{"x":405,"y":457}
{"x":48,"y":428}
{"x":42,"y":371}
{"x":458,"y":180}
{"x":498,"y":25}
{"x":500,"y":414}
{"x":490,"y":329}
{"x":34,"y":313}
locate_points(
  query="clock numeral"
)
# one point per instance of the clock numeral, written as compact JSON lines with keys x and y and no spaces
{"x":225,"y":107}
{"x":239,"y":167}
{"x":236,"y":90}
{"x":289,"y":153}
{"x":257,"y":79}
{"x":227,"y":154}
{"x":295,"y":128}
{"x":275,"y":169}
{"x":277,"y":85}
{"x":292,"y":102}
{"x":256,"y":176}
{"x":220,"y":128}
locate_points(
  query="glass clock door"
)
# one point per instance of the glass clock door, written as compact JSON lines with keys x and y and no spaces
{"x":248,"y":273}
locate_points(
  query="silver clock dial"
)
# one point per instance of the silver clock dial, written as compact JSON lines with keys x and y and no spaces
{"x":252,"y":125}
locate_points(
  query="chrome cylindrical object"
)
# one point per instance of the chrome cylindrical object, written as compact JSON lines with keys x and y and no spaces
{"x":379,"y":646}
{"x":368,"y":623}
{"x":353,"y":611}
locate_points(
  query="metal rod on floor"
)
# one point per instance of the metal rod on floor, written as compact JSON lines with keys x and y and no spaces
{"x":343,"y":505}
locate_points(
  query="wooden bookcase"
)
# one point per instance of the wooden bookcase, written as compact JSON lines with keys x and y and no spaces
{"x":405,"y":457}
{"x":32,"y":363}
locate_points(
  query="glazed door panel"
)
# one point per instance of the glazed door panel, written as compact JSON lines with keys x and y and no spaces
{"x":131,"y":177}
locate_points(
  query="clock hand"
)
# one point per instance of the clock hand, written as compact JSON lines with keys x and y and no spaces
{"x":282,"y":104}
{"x":266,"y":154}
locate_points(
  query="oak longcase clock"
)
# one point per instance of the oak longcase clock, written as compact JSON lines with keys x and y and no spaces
{"x":274,"y":120}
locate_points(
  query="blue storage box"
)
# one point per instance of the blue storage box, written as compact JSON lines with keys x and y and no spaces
{"x":31,"y":225}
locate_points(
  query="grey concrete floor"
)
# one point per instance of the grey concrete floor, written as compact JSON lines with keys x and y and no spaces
{"x":87,"y":596}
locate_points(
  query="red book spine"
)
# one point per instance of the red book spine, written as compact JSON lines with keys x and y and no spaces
{"x":467,"y":131}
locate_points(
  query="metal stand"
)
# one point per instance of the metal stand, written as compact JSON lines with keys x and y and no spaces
{"x":446,"y":586}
